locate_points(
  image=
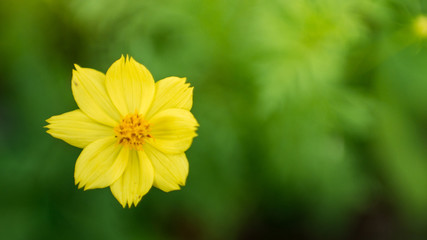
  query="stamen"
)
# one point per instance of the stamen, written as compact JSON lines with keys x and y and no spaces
{"x":132,"y":131}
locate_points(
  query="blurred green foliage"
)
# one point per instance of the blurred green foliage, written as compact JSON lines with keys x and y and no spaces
{"x":313,"y":117}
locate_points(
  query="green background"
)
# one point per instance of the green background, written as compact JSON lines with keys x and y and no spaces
{"x":313,"y":117}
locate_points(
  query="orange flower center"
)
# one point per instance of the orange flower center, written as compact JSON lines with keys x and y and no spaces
{"x":132,"y":131}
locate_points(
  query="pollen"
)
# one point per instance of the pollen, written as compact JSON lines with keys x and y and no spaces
{"x":132,"y":131}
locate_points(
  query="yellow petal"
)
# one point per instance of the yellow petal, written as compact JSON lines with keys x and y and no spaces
{"x":171,"y":92}
{"x":173,"y":130}
{"x":89,"y":91}
{"x":136,"y":180}
{"x":170,"y":170}
{"x":100,"y":164}
{"x":130,"y":86}
{"x":77,"y":129}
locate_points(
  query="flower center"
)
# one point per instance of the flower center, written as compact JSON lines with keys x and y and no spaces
{"x":132,"y":131}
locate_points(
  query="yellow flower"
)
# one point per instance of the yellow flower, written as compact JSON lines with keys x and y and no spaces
{"x":133,"y":132}
{"x":420,"y":26}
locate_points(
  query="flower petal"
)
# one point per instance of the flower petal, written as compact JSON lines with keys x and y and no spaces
{"x":173,"y":130}
{"x":77,"y":129}
{"x":130,"y":86}
{"x":171,"y":92}
{"x":100,"y":164}
{"x":170,"y":170}
{"x":89,"y":91}
{"x":135,"y":181}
